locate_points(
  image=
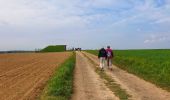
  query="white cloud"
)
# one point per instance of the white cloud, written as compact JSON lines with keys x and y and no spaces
{"x":163,"y":20}
{"x":39,"y":13}
{"x":156,"y":38}
{"x":64,"y":13}
{"x":75,"y":18}
{"x":99,"y":3}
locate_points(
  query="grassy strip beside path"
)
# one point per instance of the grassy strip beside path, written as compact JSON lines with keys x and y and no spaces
{"x":60,"y":86}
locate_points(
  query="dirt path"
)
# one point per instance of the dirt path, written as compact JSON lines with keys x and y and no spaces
{"x":23,"y":76}
{"x":87,"y":84}
{"x":138,"y":88}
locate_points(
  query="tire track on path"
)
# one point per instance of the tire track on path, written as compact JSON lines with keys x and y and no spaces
{"x":87,"y":83}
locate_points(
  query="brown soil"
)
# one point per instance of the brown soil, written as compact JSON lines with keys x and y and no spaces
{"x":138,"y":88}
{"x":87,"y":83}
{"x":23,"y":75}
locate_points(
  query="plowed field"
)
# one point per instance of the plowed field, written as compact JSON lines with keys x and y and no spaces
{"x":23,"y":75}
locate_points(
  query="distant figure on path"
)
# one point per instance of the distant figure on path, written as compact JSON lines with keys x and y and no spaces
{"x":102,"y":57}
{"x":109,"y":57}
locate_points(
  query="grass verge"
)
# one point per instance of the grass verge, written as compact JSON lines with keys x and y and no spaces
{"x":110,"y":83}
{"x":60,"y":86}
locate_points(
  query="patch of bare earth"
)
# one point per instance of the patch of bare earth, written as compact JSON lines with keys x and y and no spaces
{"x":87,"y":83}
{"x":135,"y":86}
{"x":23,"y":75}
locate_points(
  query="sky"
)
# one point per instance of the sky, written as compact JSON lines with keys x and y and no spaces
{"x":89,"y":24}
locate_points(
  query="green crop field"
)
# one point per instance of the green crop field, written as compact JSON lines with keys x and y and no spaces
{"x":151,"y":65}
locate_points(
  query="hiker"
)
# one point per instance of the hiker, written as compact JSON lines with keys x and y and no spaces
{"x":109,"y":57}
{"x":102,"y":57}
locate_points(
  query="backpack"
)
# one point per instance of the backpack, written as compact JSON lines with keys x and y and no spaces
{"x":109,"y":54}
{"x":103,"y":52}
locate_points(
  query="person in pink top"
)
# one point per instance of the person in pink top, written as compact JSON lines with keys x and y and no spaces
{"x":110,"y":56}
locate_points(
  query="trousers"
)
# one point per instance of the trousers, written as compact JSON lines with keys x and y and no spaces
{"x":102,"y":62}
{"x":109,"y":62}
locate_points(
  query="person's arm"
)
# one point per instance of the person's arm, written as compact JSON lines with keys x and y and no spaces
{"x":99,"y":54}
{"x":112,"y":54}
{"x":105,"y":54}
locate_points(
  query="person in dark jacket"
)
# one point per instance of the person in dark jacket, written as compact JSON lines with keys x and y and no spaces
{"x":102,"y":55}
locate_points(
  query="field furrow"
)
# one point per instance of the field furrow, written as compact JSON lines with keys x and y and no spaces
{"x":27,"y":80}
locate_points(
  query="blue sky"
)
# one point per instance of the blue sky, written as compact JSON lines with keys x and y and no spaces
{"x":90,"y":24}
